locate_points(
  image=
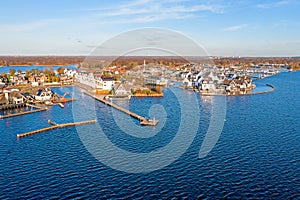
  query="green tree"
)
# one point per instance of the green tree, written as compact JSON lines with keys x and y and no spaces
{"x":35,"y":71}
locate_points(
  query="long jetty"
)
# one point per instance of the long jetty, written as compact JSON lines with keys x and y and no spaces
{"x":143,"y":121}
{"x":54,"y":126}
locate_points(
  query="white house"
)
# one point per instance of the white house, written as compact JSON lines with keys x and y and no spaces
{"x":95,"y":80}
{"x":107,"y":82}
{"x":70,"y":72}
{"x":121,"y":92}
{"x":44,"y":95}
{"x":86,"y":79}
{"x":16,"y":97}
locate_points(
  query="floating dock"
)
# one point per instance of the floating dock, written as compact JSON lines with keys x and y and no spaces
{"x":54,"y":126}
{"x":143,"y":121}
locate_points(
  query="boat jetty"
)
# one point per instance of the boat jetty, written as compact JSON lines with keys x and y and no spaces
{"x":55,"y":126}
{"x":143,"y":121}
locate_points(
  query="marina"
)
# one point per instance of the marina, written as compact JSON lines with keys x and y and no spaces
{"x":47,"y":164}
{"x":150,"y":99}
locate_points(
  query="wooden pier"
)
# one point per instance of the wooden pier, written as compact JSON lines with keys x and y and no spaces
{"x":143,"y":121}
{"x":54,"y":126}
{"x":38,"y":109}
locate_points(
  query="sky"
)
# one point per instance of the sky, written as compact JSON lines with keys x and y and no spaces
{"x":221,"y":27}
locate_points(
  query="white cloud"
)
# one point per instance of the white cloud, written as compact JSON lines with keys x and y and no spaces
{"x":235,"y":28}
{"x":273,"y":4}
{"x":154,"y":10}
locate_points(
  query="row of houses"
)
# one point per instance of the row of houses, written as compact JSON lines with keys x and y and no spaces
{"x":96,"y":81}
{"x":14,"y":96}
{"x":216,"y":82}
{"x":38,"y":79}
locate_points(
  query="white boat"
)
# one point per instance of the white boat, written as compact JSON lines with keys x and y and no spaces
{"x":61,"y":105}
{"x":48,"y":103}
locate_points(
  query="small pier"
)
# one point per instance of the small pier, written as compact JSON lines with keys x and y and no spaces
{"x":38,"y":109}
{"x":12,"y":106}
{"x":143,"y":121}
{"x":55,"y":126}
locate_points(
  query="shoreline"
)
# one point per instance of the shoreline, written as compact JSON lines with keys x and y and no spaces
{"x":255,"y":93}
{"x":216,"y":94}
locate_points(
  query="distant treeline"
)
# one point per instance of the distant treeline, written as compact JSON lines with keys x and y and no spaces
{"x":40,"y":60}
{"x":139,"y":60}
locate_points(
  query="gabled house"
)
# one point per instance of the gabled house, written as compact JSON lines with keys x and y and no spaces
{"x":16,"y":97}
{"x":3,"y":99}
{"x":210,"y":81}
{"x":44,"y":94}
{"x":121,"y":90}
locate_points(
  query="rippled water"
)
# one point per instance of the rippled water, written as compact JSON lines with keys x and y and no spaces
{"x":256,"y":156}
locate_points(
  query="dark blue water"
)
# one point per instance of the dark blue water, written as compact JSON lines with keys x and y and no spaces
{"x":257,"y":155}
{"x":24,"y":68}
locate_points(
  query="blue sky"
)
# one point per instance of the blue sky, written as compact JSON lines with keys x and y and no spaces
{"x":222,"y":27}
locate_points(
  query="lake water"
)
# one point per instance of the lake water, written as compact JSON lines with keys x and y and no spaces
{"x":24,"y":68}
{"x":257,"y":154}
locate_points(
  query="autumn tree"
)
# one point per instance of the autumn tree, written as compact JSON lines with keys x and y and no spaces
{"x":12,"y":71}
{"x":4,"y":75}
{"x":60,"y":70}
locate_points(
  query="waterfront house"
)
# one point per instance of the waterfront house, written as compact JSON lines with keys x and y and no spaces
{"x":121,"y":91}
{"x":3,"y":99}
{"x":98,"y":80}
{"x":44,"y":94}
{"x":208,"y":85}
{"x":12,"y":96}
{"x":210,"y":82}
{"x":238,"y":85}
{"x":107,"y":82}
{"x":86,"y":78}
{"x":187,"y":82}
{"x":16,"y":97}
{"x":155,"y":80}
{"x":95,"y":80}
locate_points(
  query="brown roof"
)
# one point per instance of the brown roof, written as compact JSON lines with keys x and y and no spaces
{"x":15,"y":94}
{"x":3,"y":100}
